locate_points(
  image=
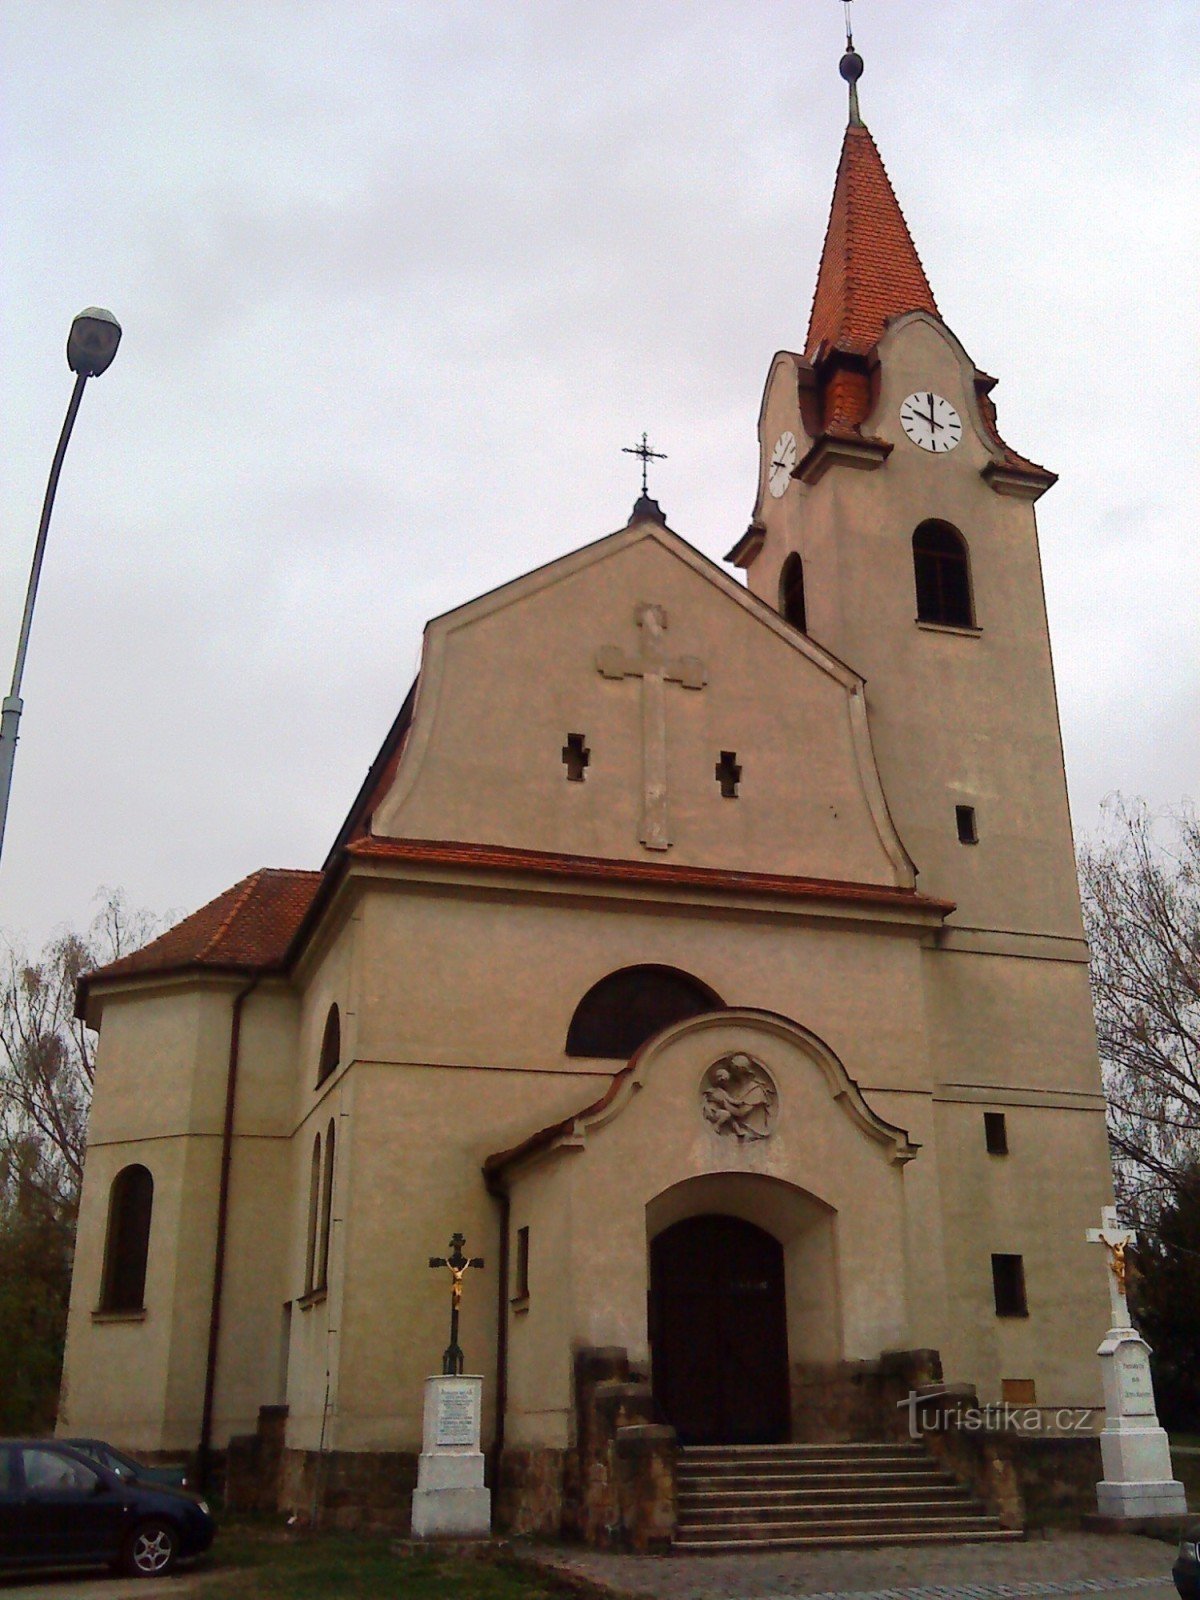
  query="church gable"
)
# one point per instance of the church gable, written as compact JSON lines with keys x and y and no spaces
{"x":631,"y":702}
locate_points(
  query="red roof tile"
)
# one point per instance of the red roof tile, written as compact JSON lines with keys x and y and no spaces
{"x":870,"y":270}
{"x":505,"y":858}
{"x":246,"y":929}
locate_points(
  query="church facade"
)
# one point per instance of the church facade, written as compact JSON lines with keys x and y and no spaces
{"x":707,"y":953}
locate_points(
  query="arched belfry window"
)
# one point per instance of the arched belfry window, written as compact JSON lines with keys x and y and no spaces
{"x":791,"y":593}
{"x":331,"y":1046}
{"x":628,"y":1007}
{"x":943,"y":573}
{"x":127,"y":1246}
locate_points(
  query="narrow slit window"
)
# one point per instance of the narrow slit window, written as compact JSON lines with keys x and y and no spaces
{"x":964,"y":817}
{"x":331,"y":1046}
{"x":522,"y":1272}
{"x":995,"y":1132}
{"x":314,"y":1215}
{"x":728,"y":774}
{"x":1008,"y":1286}
{"x":576,"y":757}
{"x":322,"y":1273}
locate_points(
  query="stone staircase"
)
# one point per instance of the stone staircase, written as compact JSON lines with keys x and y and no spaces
{"x":799,"y":1496}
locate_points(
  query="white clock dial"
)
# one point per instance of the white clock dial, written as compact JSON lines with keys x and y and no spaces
{"x":783,"y":460}
{"x":931,"y":422}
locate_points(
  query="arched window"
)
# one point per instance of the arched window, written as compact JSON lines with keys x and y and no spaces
{"x":322,"y":1278}
{"x":791,"y":593}
{"x":130,"y":1203}
{"x":331,"y":1046}
{"x":314,"y":1215}
{"x":943,"y":575}
{"x":623,"y":1010}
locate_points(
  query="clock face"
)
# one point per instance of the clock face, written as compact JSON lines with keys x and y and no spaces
{"x":931,"y":422}
{"x":783,"y":459}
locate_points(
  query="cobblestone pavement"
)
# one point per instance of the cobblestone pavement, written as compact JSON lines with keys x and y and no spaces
{"x":1062,"y":1564}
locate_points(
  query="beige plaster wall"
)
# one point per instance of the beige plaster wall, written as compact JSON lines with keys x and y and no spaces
{"x":1037,"y":1202}
{"x":955,"y":719}
{"x":504,"y":680}
{"x":161,"y":1073}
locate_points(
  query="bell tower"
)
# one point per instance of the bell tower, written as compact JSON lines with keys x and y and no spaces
{"x":895,"y":526}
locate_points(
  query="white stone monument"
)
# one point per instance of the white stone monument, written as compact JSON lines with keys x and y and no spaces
{"x":1135,"y":1450}
{"x":450,"y":1500}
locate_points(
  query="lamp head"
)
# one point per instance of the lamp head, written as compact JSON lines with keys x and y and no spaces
{"x":92,"y":342}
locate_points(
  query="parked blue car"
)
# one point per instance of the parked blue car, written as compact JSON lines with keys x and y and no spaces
{"x":60,"y":1508}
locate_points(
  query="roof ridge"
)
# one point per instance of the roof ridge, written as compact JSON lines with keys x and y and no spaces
{"x":247,"y":887}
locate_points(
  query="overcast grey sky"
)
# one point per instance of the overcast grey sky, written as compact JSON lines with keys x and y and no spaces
{"x":399,"y":280}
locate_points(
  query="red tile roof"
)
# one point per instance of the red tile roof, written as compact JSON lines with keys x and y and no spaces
{"x":246,"y":929}
{"x":506,"y":858}
{"x":870,"y":270}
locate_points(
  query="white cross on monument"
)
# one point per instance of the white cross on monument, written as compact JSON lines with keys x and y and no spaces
{"x":655,"y":672}
{"x":1116,"y":1238}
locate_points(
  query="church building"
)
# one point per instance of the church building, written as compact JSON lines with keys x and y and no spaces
{"x":704,"y":946}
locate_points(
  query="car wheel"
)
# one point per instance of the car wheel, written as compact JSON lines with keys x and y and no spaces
{"x":152,"y":1549}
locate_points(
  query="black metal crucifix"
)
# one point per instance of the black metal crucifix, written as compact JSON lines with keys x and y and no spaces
{"x":452,"y":1360}
{"x":647,"y":456}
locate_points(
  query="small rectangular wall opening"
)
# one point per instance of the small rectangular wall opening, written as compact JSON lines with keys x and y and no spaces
{"x":1018,"y":1391}
{"x":964,"y":816}
{"x":728,"y":774}
{"x":1008,"y":1286}
{"x":995,"y":1132}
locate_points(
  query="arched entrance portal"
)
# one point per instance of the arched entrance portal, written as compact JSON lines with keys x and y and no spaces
{"x":718,"y":1330}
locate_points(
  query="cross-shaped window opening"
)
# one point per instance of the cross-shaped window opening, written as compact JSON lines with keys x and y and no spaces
{"x":728,"y":774}
{"x":576,"y":757}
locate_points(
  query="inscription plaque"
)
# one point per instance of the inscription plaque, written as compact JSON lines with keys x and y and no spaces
{"x":1133,"y":1377}
{"x":456,"y":1417}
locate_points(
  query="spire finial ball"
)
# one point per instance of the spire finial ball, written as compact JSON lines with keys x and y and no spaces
{"x":851,"y":66}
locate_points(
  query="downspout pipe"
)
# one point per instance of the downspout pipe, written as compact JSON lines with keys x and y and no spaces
{"x":204,"y":1452}
{"x":499,"y":1193}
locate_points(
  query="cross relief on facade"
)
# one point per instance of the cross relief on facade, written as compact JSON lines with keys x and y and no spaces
{"x":656,"y":671}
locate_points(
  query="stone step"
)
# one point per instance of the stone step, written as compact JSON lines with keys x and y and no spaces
{"x":806,"y":1452}
{"x":781,"y":1463}
{"x":846,"y":1541}
{"x":696,"y":1517}
{"x":952,"y":1494}
{"x":808,"y":1487}
{"x":786,"y":1479}
{"x":802,"y":1528}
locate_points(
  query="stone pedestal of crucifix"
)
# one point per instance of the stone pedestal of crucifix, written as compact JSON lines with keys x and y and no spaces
{"x":1134,"y":1448}
{"x":450,"y":1500}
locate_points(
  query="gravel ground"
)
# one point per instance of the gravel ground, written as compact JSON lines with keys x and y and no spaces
{"x":1068,"y":1563}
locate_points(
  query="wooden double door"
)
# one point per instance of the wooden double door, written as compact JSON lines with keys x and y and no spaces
{"x":718,"y":1330}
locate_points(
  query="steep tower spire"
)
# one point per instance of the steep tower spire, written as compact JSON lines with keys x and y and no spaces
{"x":870,"y":270}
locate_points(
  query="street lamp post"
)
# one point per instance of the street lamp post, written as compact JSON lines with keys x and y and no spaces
{"x":91,"y":345}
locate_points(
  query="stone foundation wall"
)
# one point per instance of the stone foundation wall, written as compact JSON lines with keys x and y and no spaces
{"x":363,"y":1490}
{"x":858,"y":1402}
{"x":535,"y":1487}
{"x":1027,"y":1480}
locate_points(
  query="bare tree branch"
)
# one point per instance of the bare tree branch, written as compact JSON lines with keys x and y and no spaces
{"x":1140,"y":882}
